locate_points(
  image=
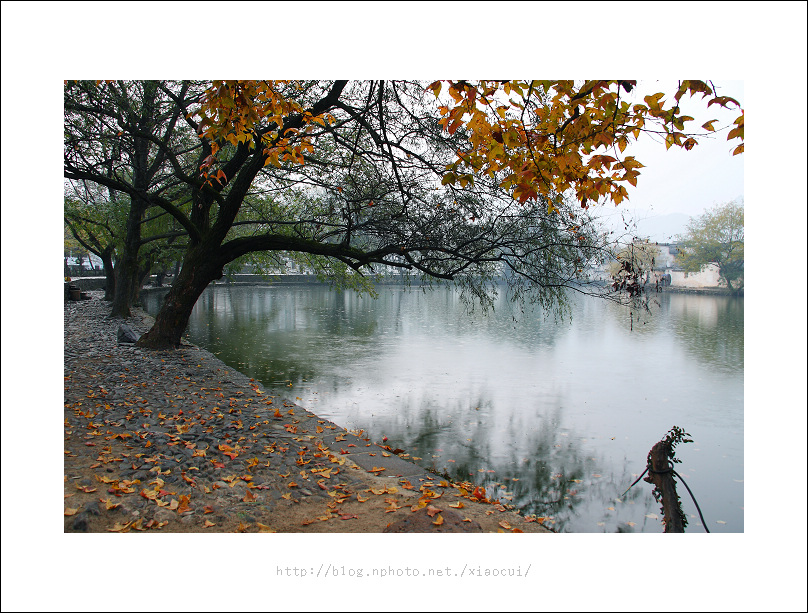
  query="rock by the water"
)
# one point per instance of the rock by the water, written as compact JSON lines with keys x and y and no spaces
{"x":127,"y":335}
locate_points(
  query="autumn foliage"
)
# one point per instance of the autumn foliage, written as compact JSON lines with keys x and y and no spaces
{"x":544,"y":137}
{"x":536,"y":138}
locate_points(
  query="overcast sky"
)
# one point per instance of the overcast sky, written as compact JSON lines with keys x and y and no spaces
{"x":679,"y":181}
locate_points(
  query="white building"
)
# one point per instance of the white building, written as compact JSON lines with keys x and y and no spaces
{"x":708,"y":277}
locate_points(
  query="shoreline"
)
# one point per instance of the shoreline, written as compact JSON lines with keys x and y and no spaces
{"x":177,"y":441}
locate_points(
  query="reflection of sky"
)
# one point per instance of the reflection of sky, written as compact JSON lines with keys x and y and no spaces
{"x":565,"y":410}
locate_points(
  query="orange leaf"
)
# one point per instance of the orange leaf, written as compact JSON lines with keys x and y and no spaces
{"x":505,"y":525}
{"x":432,"y":511}
{"x":209,"y":523}
{"x":438,"y":521}
{"x":70,"y":511}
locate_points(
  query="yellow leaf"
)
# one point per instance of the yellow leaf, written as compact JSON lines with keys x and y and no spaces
{"x":438,"y":521}
{"x":70,"y":511}
{"x":263,"y":528}
{"x":457,"y":505}
{"x":209,"y":523}
{"x":120,"y":527}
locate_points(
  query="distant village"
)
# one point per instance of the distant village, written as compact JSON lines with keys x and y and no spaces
{"x":666,"y":272}
{"x":708,"y":278}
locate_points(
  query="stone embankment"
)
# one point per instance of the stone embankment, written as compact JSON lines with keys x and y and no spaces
{"x":177,"y":441}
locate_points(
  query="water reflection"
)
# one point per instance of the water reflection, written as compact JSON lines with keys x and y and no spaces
{"x":556,"y":419}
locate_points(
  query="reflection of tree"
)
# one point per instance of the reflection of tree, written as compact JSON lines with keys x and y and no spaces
{"x":715,"y":340}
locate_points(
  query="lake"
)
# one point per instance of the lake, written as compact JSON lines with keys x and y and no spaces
{"x":556,"y":418}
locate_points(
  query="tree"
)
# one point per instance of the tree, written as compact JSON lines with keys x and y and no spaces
{"x":631,"y":269}
{"x":716,"y":237}
{"x":96,"y":223}
{"x":117,"y":135}
{"x":348,"y":176}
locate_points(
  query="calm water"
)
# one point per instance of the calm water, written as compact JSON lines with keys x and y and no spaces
{"x":556,"y":418}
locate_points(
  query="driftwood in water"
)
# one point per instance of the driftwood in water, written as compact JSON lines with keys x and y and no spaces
{"x":660,"y":473}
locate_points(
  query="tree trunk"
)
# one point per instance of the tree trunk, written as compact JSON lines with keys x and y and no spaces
{"x":127,"y":272}
{"x":660,"y":473}
{"x":198,"y":270}
{"x":126,"y":281}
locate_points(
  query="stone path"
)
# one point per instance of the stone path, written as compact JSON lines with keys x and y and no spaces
{"x":178,"y":441}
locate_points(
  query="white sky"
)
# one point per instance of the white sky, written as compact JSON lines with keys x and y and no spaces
{"x":761,"y":44}
{"x":689,"y":182}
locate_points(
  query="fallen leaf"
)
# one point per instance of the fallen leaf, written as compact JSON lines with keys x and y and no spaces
{"x":120,"y":527}
{"x":70,"y":511}
{"x":263,"y":528}
{"x":505,"y":525}
{"x":209,"y":523}
{"x":432,"y":511}
{"x":438,"y":521}
{"x":249,"y":497}
{"x":457,"y":505}
{"x":349,"y":517}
